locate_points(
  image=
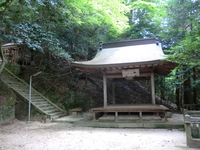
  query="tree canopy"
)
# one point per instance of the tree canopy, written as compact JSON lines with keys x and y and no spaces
{"x":72,"y":29}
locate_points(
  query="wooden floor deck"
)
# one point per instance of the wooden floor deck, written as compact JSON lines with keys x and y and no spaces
{"x":140,"y":109}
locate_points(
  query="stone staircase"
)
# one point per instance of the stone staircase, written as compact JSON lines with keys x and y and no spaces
{"x":42,"y":104}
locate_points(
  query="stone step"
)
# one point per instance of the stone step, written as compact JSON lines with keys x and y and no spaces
{"x":32,"y":94}
{"x":36,"y":99}
{"x":18,"y":87}
{"x":12,"y":80}
{"x":42,"y":105}
{"x":48,"y":108}
{"x":23,"y":90}
{"x":40,"y":102}
{"x":56,"y":114}
{"x":33,"y":99}
{"x":52,"y":111}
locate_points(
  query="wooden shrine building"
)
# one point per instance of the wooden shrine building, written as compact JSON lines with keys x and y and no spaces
{"x":129,"y":60}
{"x":11,"y":52}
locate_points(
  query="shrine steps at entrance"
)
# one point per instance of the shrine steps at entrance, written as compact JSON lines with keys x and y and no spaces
{"x":167,"y":125}
{"x":131,"y":118}
{"x":140,"y":109}
{"x":48,"y":109}
{"x":175,"y":122}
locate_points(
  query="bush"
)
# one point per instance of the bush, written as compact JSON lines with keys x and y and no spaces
{"x":77,"y":100}
{"x":14,"y":68}
{"x":7,"y":96}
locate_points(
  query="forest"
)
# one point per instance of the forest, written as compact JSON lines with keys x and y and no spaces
{"x":57,"y":32}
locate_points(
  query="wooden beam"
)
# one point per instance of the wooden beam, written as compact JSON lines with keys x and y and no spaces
{"x":114,"y":76}
{"x":125,"y":67}
{"x":105,"y":89}
{"x":153,"y":89}
{"x":115,"y":71}
{"x":119,"y":75}
{"x":130,"y":67}
{"x":113,"y":92}
{"x":149,"y":65}
{"x":114,"y":68}
{"x":119,"y":68}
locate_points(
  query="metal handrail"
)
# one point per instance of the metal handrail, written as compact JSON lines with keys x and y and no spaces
{"x":191,"y":106}
{"x":33,"y":89}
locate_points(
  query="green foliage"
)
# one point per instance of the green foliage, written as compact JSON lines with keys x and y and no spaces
{"x":64,"y":26}
{"x":14,"y":68}
{"x":180,"y":18}
{"x":144,"y":18}
{"x":108,"y":14}
{"x":186,"y":53}
{"x":7,"y":97}
{"x":165,"y":88}
{"x":181,"y":36}
{"x":75,"y":27}
{"x":78,"y":100}
{"x":89,"y":22}
{"x":33,"y":24}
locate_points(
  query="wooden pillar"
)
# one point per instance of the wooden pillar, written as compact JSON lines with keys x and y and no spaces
{"x":113,"y":92}
{"x":153,"y":89}
{"x":105,"y":89}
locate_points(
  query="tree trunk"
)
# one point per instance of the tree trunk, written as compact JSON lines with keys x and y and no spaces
{"x":178,"y":100}
{"x":194,"y":89}
{"x":2,"y":64}
{"x":187,"y":92}
{"x":179,"y":95}
{"x":162,"y":90}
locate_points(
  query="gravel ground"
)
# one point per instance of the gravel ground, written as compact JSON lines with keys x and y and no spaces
{"x":64,"y":136}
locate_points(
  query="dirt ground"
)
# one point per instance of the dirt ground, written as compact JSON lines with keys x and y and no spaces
{"x":64,"y":136}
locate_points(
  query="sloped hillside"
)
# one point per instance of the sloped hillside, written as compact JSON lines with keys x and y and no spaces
{"x":70,"y":88}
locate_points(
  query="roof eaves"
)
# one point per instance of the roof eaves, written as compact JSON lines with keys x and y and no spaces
{"x":82,"y":65}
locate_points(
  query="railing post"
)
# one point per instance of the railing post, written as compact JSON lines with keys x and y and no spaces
{"x":187,"y":129}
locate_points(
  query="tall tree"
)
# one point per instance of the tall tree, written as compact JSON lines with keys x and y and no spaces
{"x":51,"y":26}
{"x":145,"y":18}
{"x":90,"y":22}
{"x":184,"y":26}
{"x":33,"y":24}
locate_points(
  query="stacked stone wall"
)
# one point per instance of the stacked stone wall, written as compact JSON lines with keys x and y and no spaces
{"x":7,"y":114}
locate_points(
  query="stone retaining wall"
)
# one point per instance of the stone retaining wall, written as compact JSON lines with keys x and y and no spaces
{"x":7,"y":114}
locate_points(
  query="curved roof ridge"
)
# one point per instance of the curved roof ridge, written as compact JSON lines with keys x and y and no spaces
{"x":130,"y":42}
{"x":126,"y":52}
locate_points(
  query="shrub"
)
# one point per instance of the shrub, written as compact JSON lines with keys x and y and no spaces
{"x":77,"y":100}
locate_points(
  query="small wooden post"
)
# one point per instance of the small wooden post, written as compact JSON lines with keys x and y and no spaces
{"x":165,"y":114}
{"x":188,"y":130}
{"x":113,"y":92}
{"x":140,"y":115}
{"x":153,"y":89}
{"x":94,"y":115}
{"x":105,"y":89}
{"x":116,"y":116}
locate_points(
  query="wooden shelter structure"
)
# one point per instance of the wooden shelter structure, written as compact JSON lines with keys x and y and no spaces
{"x":14,"y":53}
{"x":129,"y":60}
{"x":11,"y":52}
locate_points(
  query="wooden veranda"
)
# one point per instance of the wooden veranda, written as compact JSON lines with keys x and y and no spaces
{"x":139,"y":109}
